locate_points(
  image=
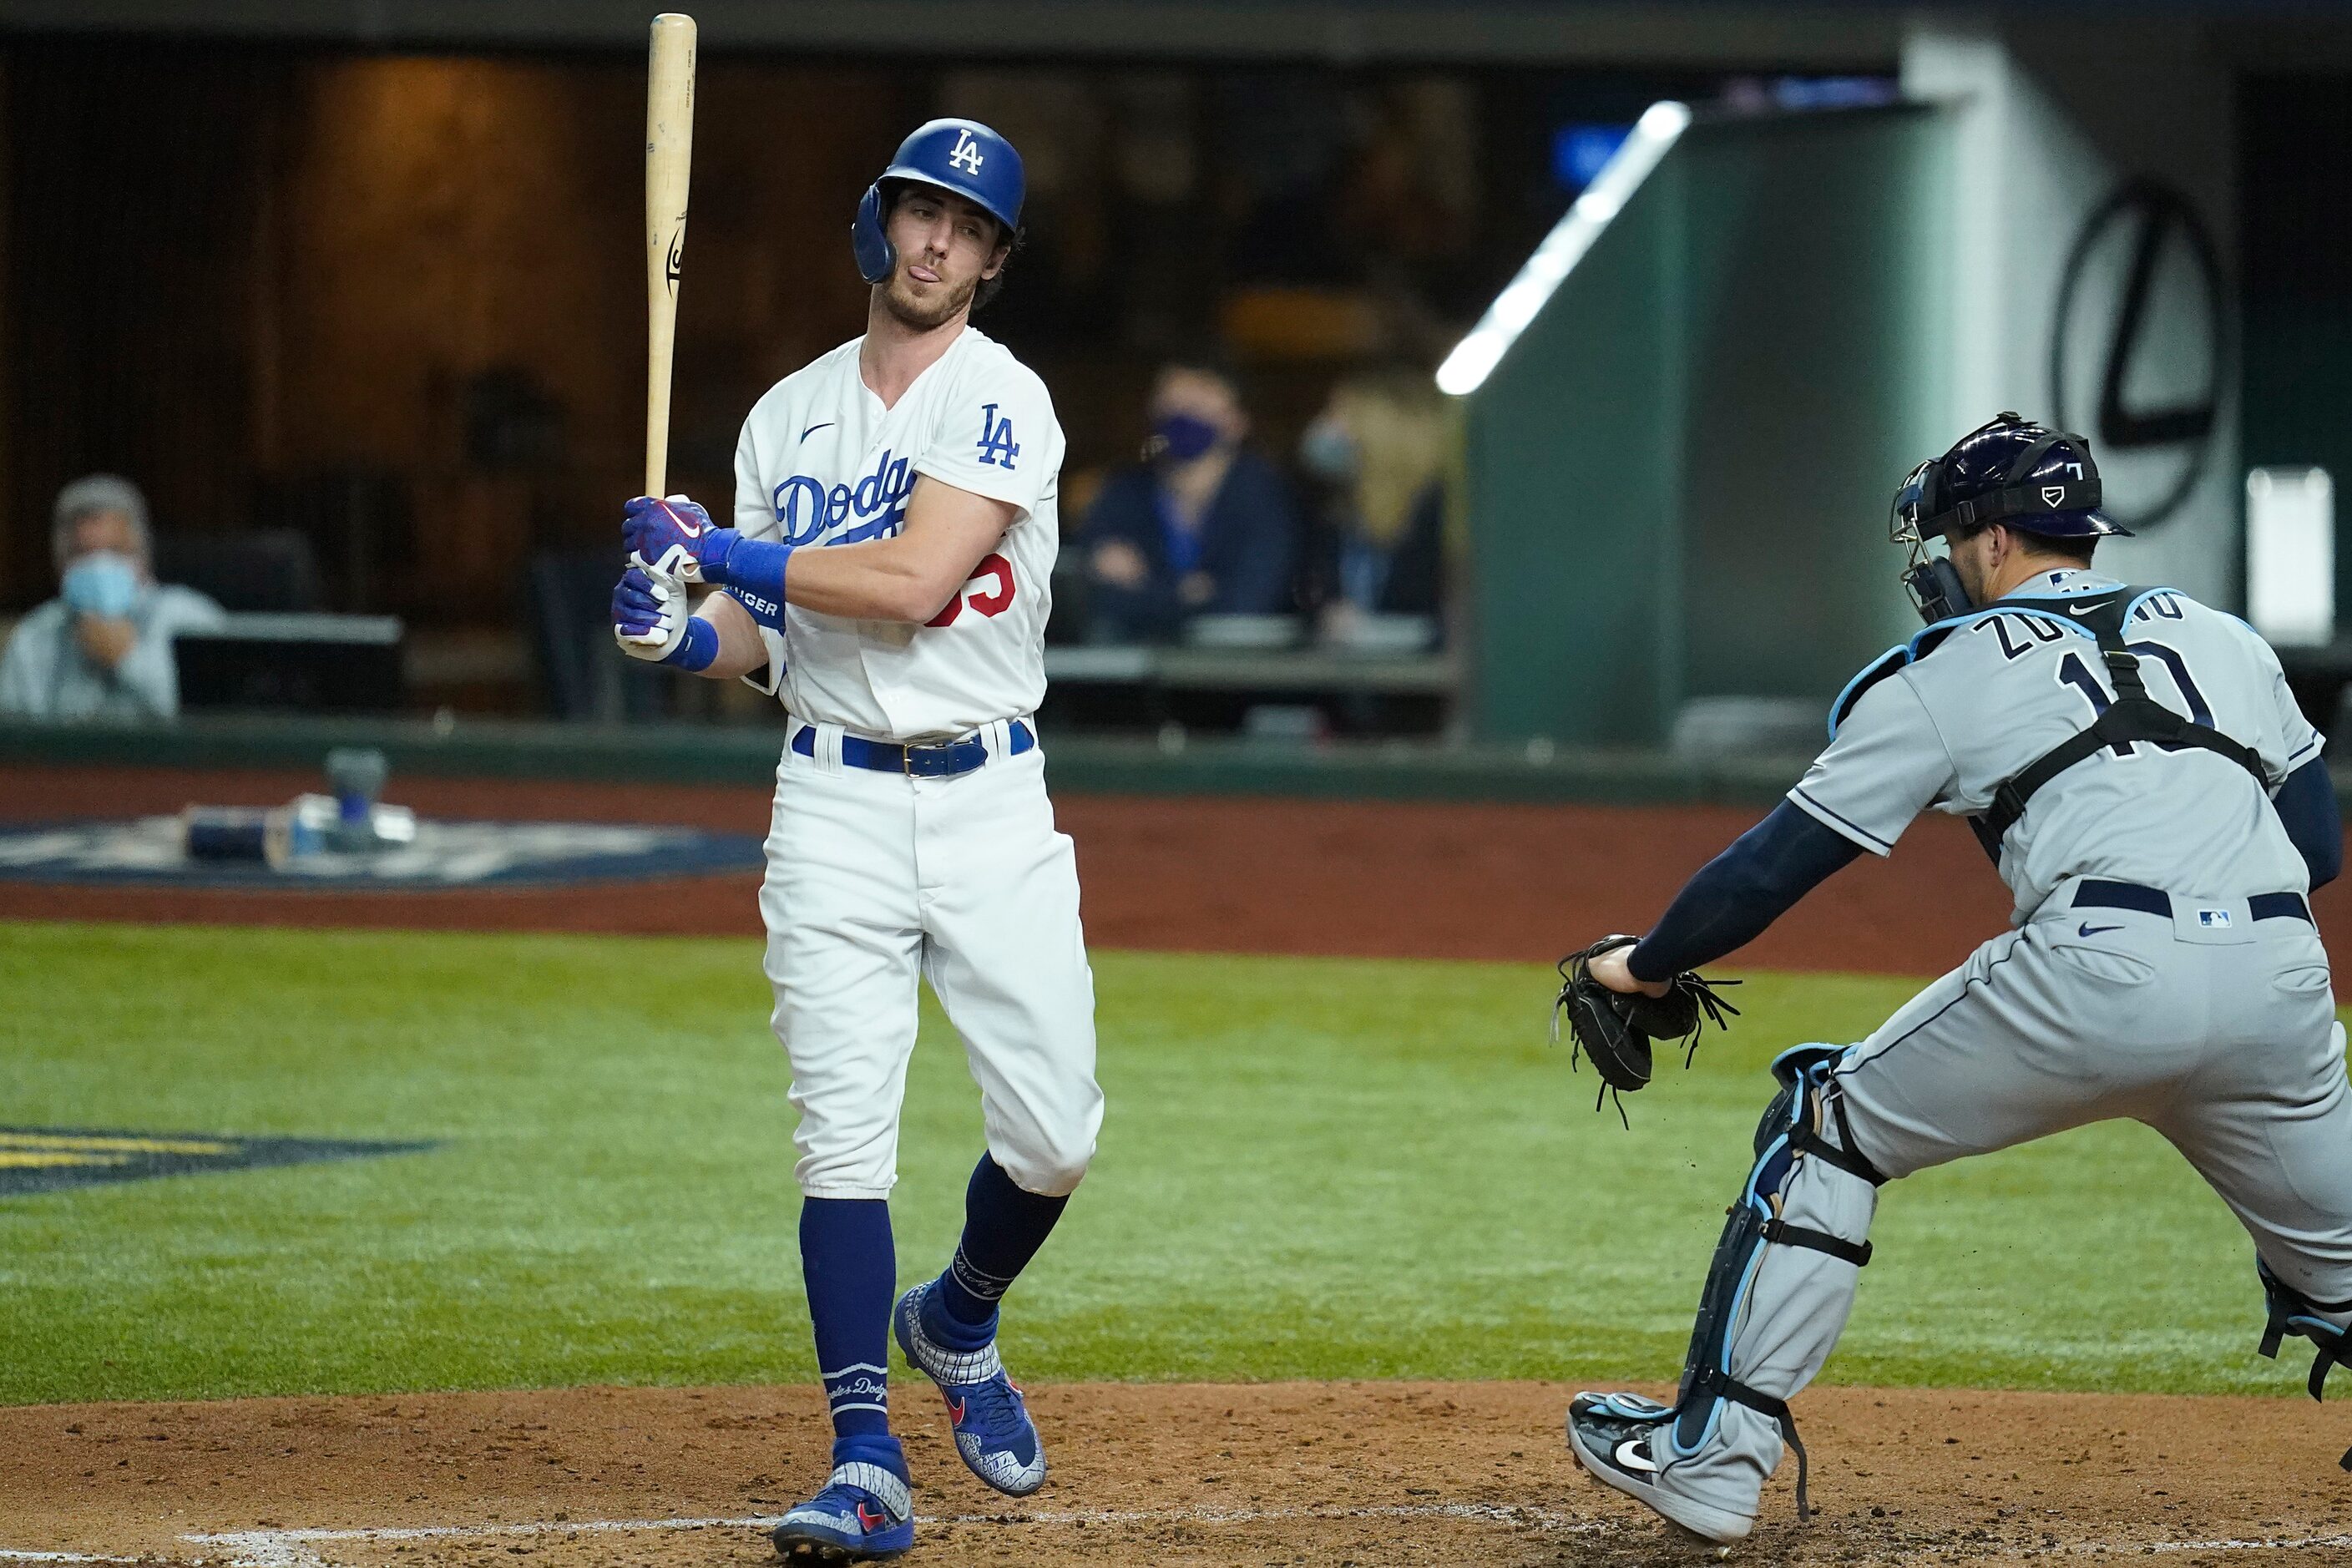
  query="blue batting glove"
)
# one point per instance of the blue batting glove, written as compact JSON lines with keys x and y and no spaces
{"x":651,"y":621}
{"x":676,"y":538}
{"x":638,"y":612}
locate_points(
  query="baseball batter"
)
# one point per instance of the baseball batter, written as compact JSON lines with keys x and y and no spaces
{"x":2155,"y":802}
{"x":886,"y":580}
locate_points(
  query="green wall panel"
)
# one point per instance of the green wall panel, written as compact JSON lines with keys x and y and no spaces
{"x":1677,"y":478}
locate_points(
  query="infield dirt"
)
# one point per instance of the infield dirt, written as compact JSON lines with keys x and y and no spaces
{"x":1359,"y":878}
{"x":1333,"y":1475}
{"x":1329,"y":1474}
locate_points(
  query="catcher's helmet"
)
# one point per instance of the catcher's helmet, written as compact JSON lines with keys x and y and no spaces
{"x":2010,"y":471}
{"x":959,"y":155}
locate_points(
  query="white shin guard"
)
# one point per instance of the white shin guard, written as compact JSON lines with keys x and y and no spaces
{"x":1777,"y":1296}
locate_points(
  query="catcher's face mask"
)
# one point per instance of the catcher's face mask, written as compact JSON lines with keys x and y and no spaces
{"x":1931,"y":579}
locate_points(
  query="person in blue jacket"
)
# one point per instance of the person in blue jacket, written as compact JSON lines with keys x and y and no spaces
{"x":1203,"y":525}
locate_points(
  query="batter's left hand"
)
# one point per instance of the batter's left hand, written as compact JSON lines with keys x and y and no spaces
{"x":1608,"y":968}
{"x":675,"y":538}
{"x":648,"y":616}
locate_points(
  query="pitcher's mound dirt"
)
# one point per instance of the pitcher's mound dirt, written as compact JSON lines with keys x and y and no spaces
{"x":1333,"y":1475}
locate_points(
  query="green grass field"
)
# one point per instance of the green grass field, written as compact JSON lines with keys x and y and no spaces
{"x":1311,"y":1168}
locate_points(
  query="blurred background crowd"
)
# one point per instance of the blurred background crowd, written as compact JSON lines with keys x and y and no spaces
{"x":333,"y":323}
{"x":366,"y":329}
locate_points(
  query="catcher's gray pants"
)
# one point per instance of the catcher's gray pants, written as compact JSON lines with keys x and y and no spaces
{"x":2222,"y":1037}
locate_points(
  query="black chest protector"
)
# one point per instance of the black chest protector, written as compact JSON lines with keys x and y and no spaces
{"x":2134,"y":716}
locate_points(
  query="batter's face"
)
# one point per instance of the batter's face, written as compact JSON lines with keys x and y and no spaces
{"x":947,"y":246}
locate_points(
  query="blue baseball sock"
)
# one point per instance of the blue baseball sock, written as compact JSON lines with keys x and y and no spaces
{"x":1003,"y":1229}
{"x":850,"y":1267}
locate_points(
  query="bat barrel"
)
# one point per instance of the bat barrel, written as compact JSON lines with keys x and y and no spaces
{"x":669,"y":154}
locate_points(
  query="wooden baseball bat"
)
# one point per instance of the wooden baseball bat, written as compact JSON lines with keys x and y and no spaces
{"x":669,"y":156}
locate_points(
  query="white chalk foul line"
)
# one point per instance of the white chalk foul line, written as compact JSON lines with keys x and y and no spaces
{"x":10,"y":1555}
{"x":294,"y":1548}
{"x":281,"y":1548}
{"x":2298,"y":1544}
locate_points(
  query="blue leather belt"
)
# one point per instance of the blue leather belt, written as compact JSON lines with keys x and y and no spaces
{"x":944,"y":762}
{"x":2148,"y":900}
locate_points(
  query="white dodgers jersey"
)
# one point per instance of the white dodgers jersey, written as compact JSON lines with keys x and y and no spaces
{"x":822,"y":462}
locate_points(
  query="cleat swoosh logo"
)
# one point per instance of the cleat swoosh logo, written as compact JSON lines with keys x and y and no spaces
{"x":871,"y":1519}
{"x":955,"y":1411}
{"x":2087,"y":929}
{"x":1634,"y":1453}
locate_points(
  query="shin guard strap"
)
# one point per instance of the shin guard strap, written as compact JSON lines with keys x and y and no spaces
{"x":1837,"y":1247}
{"x":2289,"y":1311}
{"x":1717,"y":1384}
{"x":1805,"y":1140}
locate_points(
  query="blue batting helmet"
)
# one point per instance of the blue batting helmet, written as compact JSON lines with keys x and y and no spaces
{"x":2010,"y":471}
{"x":959,"y":155}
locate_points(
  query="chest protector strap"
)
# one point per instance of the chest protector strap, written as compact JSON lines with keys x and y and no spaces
{"x":2132,"y":716}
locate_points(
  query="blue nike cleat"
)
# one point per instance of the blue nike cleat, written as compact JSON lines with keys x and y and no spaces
{"x":992,"y":1429}
{"x":863,"y":1512}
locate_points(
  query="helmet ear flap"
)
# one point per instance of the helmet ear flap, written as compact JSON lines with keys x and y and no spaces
{"x":868,"y":241}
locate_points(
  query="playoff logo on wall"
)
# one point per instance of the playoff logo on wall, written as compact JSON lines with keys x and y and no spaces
{"x":2139,"y":349}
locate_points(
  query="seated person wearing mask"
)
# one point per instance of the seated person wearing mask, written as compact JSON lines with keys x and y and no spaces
{"x":102,"y":647}
{"x":1204,"y":526}
{"x":1380,"y":447}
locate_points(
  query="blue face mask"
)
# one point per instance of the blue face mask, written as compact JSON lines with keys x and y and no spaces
{"x":1181,"y":437}
{"x":102,"y":584}
{"x":1327,"y":451}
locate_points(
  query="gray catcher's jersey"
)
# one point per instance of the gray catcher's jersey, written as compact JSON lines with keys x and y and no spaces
{"x":1947,"y":719}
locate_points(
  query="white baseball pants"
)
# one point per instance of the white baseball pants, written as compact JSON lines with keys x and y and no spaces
{"x":877,"y":879}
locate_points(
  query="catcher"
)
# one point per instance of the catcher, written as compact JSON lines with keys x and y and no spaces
{"x":2134,"y":767}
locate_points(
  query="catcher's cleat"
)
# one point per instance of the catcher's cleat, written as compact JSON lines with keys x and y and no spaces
{"x":863,"y":1512}
{"x":1611,"y":1434}
{"x":994,"y":1433}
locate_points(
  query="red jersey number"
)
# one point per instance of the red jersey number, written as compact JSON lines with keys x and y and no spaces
{"x":994,"y":601}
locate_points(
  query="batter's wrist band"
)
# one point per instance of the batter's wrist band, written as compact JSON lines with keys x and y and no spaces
{"x":755,"y":565}
{"x":718,"y":549}
{"x":697,"y":649}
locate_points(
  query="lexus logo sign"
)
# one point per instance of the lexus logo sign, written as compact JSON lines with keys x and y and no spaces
{"x":2139,"y":349}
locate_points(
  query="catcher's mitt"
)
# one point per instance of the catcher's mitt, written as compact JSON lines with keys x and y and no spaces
{"x":1615,"y":1027}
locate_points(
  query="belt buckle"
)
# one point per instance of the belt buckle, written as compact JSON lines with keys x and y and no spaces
{"x":907,"y":757}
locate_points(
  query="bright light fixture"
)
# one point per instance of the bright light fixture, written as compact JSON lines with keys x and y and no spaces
{"x":2291,"y":555}
{"x":1523,"y":298}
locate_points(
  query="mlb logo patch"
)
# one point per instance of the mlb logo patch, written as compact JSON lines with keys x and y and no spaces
{"x":2214,"y":920}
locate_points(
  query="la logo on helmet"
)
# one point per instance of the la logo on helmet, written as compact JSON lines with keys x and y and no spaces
{"x":966,"y":156}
